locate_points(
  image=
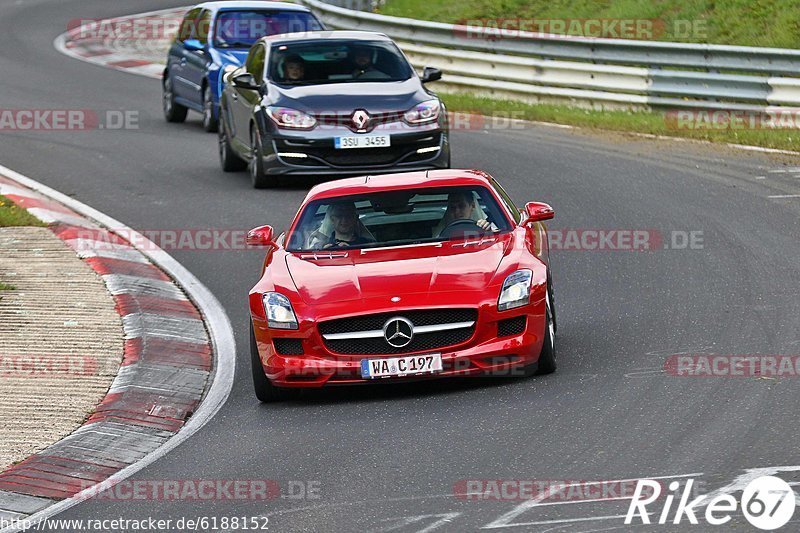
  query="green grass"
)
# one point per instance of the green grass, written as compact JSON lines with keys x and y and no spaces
{"x":741,"y":22}
{"x":13,"y":215}
{"x":641,"y":122}
{"x":6,"y":287}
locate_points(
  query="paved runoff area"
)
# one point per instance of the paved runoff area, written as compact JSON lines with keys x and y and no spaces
{"x":61,"y":341}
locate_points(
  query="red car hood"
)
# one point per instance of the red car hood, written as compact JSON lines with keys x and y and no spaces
{"x":407,"y":270}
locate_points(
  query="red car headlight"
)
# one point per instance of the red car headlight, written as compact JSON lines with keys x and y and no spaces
{"x":280,"y":314}
{"x":516,"y":290}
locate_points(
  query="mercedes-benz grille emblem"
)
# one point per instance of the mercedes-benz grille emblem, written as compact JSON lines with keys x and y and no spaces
{"x":360,"y":119}
{"x":398,"y":332}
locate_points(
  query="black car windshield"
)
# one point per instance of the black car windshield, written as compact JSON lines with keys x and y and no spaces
{"x":398,"y":218}
{"x":338,"y":61}
{"x":240,"y":29}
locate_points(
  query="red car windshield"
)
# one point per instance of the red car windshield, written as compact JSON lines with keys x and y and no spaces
{"x":398,"y":218}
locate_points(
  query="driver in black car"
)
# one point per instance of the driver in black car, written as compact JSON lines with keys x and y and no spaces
{"x":461,"y":206}
{"x":346,"y":230}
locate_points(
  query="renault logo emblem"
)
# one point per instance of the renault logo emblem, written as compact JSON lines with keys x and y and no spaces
{"x":360,"y":119}
{"x":398,"y":332}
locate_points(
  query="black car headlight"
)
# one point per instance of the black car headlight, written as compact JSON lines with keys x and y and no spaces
{"x":427,"y":111}
{"x":286,"y":117}
{"x":280,"y":314}
{"x":516,"y":290}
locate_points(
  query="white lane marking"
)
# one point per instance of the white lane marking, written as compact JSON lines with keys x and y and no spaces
{"x":645,"y":373}
{"x":784,"y":171}
{"x":506,"y":519}
{"x":444,"y":518}
{"x":742,"y":480}
{"x":761,"y":177}
{"x":219,"y":327}
{"x":784,"y":196}
{"x":564,"y":521}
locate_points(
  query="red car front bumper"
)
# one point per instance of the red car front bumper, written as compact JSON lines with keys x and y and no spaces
{"x":487,"y":352}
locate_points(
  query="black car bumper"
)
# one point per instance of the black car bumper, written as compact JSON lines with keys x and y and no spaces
{"x":408,"y":152}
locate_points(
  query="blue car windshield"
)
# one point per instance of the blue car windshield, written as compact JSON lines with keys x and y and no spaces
{"x":240,"y":29}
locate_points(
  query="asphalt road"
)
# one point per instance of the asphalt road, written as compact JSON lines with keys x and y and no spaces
{"x":389,"y":458}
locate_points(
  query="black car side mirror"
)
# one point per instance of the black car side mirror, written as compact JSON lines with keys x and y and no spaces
{"x":245,"y":81}
{"x":431,"y":74}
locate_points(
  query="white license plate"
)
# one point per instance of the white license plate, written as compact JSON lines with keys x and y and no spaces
{"x":401,"y":366}
{"x":362,"y":141}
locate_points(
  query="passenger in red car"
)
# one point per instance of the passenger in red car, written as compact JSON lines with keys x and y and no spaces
{"x":344,"y":217}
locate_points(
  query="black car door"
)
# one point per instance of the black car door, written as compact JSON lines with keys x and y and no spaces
{"x":244,"y":100}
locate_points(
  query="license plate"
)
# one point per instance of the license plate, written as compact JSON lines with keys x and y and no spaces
{"x":401,"y":366}
{"x":362,"y":141}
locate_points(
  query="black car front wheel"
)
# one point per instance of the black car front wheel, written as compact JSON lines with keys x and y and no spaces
{"x":173,"y":112}
{"x":210,"y":123}
{"x":260,"y":179}
{"x":228,"y":159}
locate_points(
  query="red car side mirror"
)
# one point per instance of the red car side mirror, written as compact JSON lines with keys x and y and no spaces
{"x":261,"y":237}
{"x":537,"y":212}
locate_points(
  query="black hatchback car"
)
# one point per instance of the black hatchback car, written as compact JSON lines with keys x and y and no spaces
{"x":331,"y":104}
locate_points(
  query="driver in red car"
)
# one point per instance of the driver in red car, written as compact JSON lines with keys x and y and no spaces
{"x":461,"y":205}
{"x":346,"y":227}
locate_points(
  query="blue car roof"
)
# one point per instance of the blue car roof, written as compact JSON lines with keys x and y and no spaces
{"x":251,"y":4}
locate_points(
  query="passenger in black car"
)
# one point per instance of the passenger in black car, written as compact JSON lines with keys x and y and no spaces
{"x":294,"y":68}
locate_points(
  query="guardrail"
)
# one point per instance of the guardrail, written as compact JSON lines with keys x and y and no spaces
{"x":590,"y":72}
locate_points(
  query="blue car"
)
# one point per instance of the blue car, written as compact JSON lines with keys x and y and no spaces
{"x":212,"y":36}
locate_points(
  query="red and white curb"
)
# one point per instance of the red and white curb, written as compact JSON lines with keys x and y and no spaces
{"x":177,"y":368}
{"x":97,"y":42}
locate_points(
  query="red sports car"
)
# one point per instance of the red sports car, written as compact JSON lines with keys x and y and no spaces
{"x":399,"y":277}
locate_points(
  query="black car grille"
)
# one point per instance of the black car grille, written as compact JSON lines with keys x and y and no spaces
{"x":421,"y":341}
{"x":346,"y":120}
{"x":512,"y":326}
{"x":403,"y":150}
{"x":288,"y":346}
{"x":367,"y":156}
